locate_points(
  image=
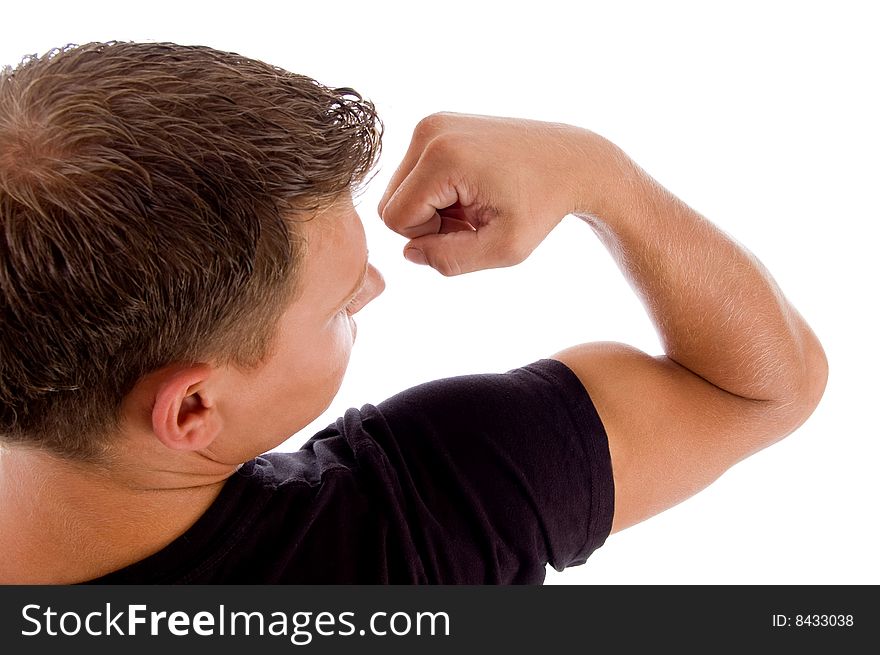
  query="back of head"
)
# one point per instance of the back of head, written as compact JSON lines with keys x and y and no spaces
{"x":146,"y":196}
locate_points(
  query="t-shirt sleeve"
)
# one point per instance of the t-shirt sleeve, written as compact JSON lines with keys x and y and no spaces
{"x":495,"y":475}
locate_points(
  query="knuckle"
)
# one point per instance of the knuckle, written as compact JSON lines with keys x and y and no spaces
{"x":429,"y":126}
{"x":444,"y":148}
{"x":391,"y":218}
{"x":397,"y":225}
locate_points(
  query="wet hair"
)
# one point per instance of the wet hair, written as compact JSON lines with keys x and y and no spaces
{"x":148,"y":203}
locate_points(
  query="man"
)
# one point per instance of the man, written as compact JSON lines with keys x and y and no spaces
{"x":181,"y":262}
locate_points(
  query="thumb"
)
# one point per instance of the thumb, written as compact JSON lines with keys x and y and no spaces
{"x":453,"y":253}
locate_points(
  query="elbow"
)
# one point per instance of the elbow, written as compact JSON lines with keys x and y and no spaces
{"x":813,"y":379}
{"x":817,"y":378}
{"x":819,"y":374}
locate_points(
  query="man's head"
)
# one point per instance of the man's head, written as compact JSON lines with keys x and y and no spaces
{"x":171,"y":219}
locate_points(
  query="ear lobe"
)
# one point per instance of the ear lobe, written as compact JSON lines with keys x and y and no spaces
{"x":184,"y":416}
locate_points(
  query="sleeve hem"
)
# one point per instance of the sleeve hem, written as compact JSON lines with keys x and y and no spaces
{"x":594,"y":440}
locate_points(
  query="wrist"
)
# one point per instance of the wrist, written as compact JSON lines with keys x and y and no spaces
{"x":605,"y":178}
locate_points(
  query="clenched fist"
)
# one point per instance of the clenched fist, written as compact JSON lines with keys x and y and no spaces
{"x":477,"y":192}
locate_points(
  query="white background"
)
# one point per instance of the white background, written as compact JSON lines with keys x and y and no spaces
{"x":762,"y":116}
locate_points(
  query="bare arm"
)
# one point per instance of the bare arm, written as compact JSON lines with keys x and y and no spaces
{"x":717,"y":309}
{"x":741,"y":370}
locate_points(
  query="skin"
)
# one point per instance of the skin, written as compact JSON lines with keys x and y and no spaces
{"x":188,"y":428}
{"x":741,"y":368}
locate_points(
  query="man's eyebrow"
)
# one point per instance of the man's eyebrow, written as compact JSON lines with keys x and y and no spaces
{"x":360,"y":282}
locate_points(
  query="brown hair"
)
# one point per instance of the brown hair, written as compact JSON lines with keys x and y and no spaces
{"x":146,"y":197}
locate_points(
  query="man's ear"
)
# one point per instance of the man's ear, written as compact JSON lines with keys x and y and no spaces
{"x":185,"y":415}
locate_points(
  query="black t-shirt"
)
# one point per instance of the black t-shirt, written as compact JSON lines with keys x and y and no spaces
{"x":479,"y":479}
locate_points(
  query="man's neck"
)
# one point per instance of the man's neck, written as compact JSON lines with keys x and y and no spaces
{"x":61,"y":523}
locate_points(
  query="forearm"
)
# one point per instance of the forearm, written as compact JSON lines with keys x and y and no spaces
{"x":717,"y":309}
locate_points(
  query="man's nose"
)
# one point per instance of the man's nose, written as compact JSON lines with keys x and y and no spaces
{"x":375,"y":281}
